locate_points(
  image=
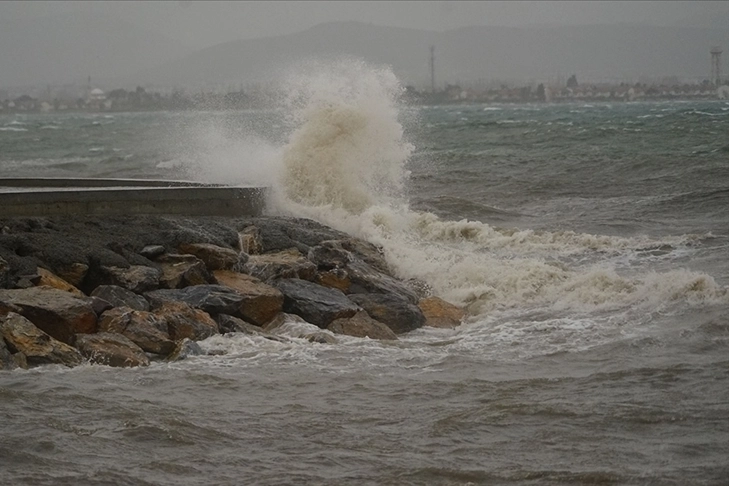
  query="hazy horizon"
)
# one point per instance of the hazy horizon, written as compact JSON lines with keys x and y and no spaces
{"x":44,"y":43}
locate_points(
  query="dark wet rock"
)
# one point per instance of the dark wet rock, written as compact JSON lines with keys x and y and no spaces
{"x":185,"y":349}
{"x":179,"y":271}
{"x":49,"y":279}
{"x":213,"y":299}
{"x":4,"y":273}
{"x":136,"y":278}
{"x":365,"y":251}
{"x":39,"y":348}
{"x":284,"y":264}
{"x":349,"y":271}
{"x":120,"y":297}
{"x":329,"y":255}
{"x":281,"y":233}
{"x":152,"y":251}
{"x":362,"y":325}
{"x":316,"y":304}
{"x":73,"y":273}
{"x":439,"y":313}
{"x":111,"y":349}
{"x":145,"y":329}
{"x":250,"y":241}
{"x":7,"y":361}
{"x":186,"y":322}
{"x":365,"y":279}
{"x":54,"y":311}
{"x":98,"y":305}
{"x":397,"y":313}
{"x":215,"y":257}
{"x":261,"y":302}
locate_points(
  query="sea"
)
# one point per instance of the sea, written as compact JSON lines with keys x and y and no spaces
{"x":588,"y":243}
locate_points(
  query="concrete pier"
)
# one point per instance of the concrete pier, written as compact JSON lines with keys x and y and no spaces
{"x":57,"y":196}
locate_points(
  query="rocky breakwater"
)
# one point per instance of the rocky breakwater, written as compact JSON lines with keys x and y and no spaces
{"x":122,"y":291}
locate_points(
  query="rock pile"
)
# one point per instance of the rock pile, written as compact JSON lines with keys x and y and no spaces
{"x":117,"y":291}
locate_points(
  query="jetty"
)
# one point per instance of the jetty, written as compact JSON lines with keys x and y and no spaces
{"x":105,"y":197}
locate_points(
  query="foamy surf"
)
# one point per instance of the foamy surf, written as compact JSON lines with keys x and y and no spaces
{"x":345,"y":165}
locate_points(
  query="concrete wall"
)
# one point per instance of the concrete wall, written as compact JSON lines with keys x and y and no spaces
{"x":193,"y":201}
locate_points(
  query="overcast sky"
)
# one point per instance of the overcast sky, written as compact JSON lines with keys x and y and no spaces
{"x":201,"y":24}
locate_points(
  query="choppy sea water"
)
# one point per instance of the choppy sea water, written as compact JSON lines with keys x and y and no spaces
{"x":589,"y":243}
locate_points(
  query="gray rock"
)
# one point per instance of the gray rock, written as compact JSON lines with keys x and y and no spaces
{"x":111,"y":349}
{"x":7,"y":361}
{"x":213,"y":299}
{"x":320,"y":338}
{"x":316,"y":304}
{"x":136,"y":278}
{"x":366,"y":279}
{"x":281,"y":233}
{"x":120,"y":297}
{"x":152,"y":251}
{"x":397,"y":313}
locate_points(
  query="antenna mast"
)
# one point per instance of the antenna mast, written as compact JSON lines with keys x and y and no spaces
{"x":432,"y":69}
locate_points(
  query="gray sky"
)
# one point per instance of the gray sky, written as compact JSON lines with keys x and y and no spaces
{"x":201,"y":24}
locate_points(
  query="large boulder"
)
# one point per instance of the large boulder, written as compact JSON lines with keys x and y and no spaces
{"x":397,"y":313}
{"x":36,"y":345}
{"x":344,"y":269}
{"x":261,"y":302}
{"x":213,"y":299}
{"x":215,"y":257}
{"x":144,"y":329}
{"x":180,"y":271}
{"x":281,"y":233}
{"x":316,"y":304}
{"x":362,"y":325}
{"x":439,"y":313}
{"x":283,"y":264}
{"x":120,"y":297}
{"x":137,"y":278}
{"x":184,"y":321}
{"x":111,"y":349}
{"x":58,"y":313}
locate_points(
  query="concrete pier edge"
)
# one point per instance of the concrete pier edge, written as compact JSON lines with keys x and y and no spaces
{"x":65,"y":196}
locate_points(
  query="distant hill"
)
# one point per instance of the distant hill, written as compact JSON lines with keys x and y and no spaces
{"x":68,"y":48}
{"x":590,"y":51}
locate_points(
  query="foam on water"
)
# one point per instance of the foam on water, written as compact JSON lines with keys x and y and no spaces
{"x":345,"y":165}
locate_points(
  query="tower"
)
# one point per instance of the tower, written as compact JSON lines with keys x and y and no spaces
{"x":716,"y":65}
{"x":432,"y":69}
